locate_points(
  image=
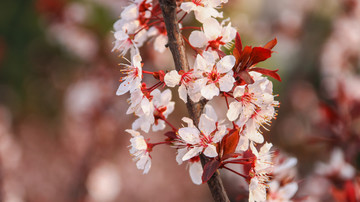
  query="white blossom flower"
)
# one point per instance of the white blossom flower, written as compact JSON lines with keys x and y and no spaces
{"x":213,"y":35}
{"x":188,"y":86}
{"x":133,"y":72}
{"x":216,"y":76}
{"x":139,"y":149}
{"x":161,"y":39}
{"x":203,"y":9}
{"x":337,"y":166}
{"x":161,"y":105}
{"x":205,"y":139}
{"x":281,"y":193}
{"x":195,"y":167}
{"x":261,"y":167}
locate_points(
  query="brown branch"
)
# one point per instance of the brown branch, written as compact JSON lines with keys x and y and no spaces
{"x":177,"y":48}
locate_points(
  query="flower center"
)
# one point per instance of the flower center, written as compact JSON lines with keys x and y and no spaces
{"x":215,"y":44}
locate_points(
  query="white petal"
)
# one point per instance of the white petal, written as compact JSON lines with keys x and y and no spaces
{"x":183,"y":93}
{"x":210,"y":151}
{"x":187,"y":6}
{"x":243,"y":144}
{"x":209,"y":91}
{"x":226,"y":83}
{"x":226,"y":64}
{"x":212,"y":29}
{"x":201,"y":64}
{"x":188,"y":121}
{"x":239,"y":91}
{"x":146,"y":106}
{"x":234,"y":110}
{"x":196,"y":171}
{"x":219,"y":134}
{"x":130,"y":12}
{"x":210,"y":112}
{"x":255,"y":136}
{"x":289,"y":190}
{"x":206,"y":124}
{"x":192,"y":152}
{"x":160,"y":42}
{"x":159,"y":126}
{"x":197,"y":39}
{"x":180,"y":153}
{"x":189,"y":135}
{"x":134,"y":133}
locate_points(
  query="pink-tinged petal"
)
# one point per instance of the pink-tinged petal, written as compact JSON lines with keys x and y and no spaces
{"x":134,"y":133}
{"x":180,"y":153}
{"x":189,"y":122}
{"x":146,"y":106}
{"x":206,"y":125}
{"x":257,"y":191}
{"x":209,"y":91}
{"x":226,"y":83}
{"x":201,"y":64}
{"x":289,"y":190}
{"x":196,"y":172}
{"x":120,"y":35}
{"x":187,"y":6}
{"x":234,"y":110}
{"x":226,"y":64}
{"x":219,"y":134}
{"x":239,"y":91}
{"x":210,"y":151}
{"x":210,"y":112}
{"x":197,"y":39}
{"x":243,"y":144}
{"x":189,"y":135}
{"x":254,"y":135}
{"x":172,"y":78}
{"x":124,"y":86}
{"x":130,"y":12}
{"x":160,"y":42}
{"x":192,"y":153}
{"x":212,"y":29}
{"x":183,"y":93}
{"x":159,"y":126}
{"x":144,"y":163}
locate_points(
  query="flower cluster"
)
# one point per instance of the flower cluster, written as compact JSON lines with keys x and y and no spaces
{"x":222,"y":69}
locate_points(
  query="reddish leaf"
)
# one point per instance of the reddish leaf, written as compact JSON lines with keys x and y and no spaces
{"x":267,"y":72}
{"x":259,"y":54}
{"x":237,"y":56}
{"x":244,"y":75}
{"x":271,"y":44}
{"x":238,"y":44}
{"x":230,"y":142}
{"x":209,"y":169}
{"x":245,"y":57}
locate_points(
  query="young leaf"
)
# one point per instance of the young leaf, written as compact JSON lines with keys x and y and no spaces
{"x":238,"y":44}
{"x":230,"y":142}
{"x":209,"y":169}
{"x":244,"y":75}
{"x":271,"y":44}
{"x":259,"y":54}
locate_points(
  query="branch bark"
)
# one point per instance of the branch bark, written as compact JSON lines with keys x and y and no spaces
{"x":177,"y":48}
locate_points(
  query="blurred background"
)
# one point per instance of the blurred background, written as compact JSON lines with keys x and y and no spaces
{"x":62,"y":126}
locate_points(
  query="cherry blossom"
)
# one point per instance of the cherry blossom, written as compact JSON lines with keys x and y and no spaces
{"x":204,"y":139}
{"x":278,"y":192}
{"x":216,"y":76}
{"x":188,"y":86}
{"x":139,"y":149}
{"x":133,"y":72}
{"x":203,"y":9}
{"x":213,"y":35}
